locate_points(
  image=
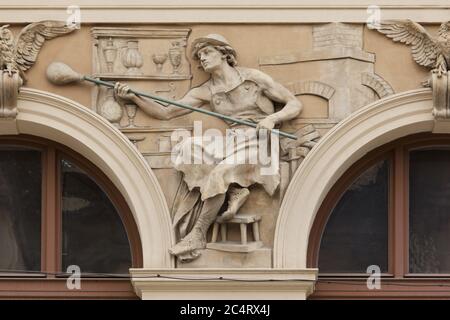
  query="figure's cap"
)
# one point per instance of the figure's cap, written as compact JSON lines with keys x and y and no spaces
{"x":212,"y":39}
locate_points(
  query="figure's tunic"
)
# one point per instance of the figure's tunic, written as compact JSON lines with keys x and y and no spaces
{"x":211,"y":165}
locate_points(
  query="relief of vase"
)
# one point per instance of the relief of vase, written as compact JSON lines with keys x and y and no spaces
{"x":111,"y":110}
{"x":110,"y":53}
{"x":175,"y":54}
{"x":132,"y":58}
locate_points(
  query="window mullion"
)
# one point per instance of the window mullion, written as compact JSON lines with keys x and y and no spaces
{"x":50,"y":217}
{"x":391,"y":214}
{"x":400,"y":213}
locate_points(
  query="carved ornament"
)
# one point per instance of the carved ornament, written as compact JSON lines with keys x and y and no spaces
{"x":427,"y":51}
{"x":19,"y":55}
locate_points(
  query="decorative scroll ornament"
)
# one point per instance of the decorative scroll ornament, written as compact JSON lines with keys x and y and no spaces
{"x":17,"y":56}
{"x":441,"y":95}
{"x":430,"y":52}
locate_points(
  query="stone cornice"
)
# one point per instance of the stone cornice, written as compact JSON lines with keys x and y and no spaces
{"x":224,"y":284}
{"x":230,"y":11}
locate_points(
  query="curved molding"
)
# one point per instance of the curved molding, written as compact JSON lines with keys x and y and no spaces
{"x":62,"y":120}
{"x":381,"y":87}
{"x":371,"y":126}
{"x":316,"y":88}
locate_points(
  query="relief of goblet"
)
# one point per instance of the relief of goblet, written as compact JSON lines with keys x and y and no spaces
{"x":131,"y":110}
{"x":159,"y":60}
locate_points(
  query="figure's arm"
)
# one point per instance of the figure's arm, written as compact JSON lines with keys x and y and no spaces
{"x":196,"y":97}
{"x":278,"y":93}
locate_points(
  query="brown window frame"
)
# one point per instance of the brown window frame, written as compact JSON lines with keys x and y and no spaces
{"x":51,"y":281}
{"x":397,"y":282}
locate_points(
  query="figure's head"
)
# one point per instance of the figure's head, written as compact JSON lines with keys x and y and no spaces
{"x":444,"y":30}
{"x":5,"y":33}
{"x":211,"y":46}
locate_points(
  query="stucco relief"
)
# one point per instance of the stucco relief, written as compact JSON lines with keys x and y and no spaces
{"x":217,"y":182}
{"x":236,"y":227}
{"x":380,"y":86}
{"x":225,"y":227}
{"x":339,"y":63}
{"x":430,"y":52}
{"x":142,"y":56}
{"x":152,"y":60}
{"x":17,"y":55}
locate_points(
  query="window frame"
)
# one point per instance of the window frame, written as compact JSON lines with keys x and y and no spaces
{"x":398,"y":277}
{"x":51,"y":280}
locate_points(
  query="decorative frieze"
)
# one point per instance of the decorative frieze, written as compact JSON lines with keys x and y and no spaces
{"x":140,"y":53}
{"x":148,"y":57}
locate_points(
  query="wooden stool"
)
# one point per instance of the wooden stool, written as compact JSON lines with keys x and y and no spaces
{"x":244,"y":245}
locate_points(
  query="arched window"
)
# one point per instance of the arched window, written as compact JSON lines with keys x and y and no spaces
{"x":390,"y":212}
{"x":57,"y":210}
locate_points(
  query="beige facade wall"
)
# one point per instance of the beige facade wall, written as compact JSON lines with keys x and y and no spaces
{"x":394,"y":61}
{"x":279,"y":39}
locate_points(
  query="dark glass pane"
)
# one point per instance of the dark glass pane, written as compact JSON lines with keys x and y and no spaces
{"x":356,"y":234}
{"x":94,"y":237}
{"x":429,"y":211}
{"x":20,"y":209}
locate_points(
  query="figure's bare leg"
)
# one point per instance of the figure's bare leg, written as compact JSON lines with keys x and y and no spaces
{"x":237,"y":197}
{"x":187,"y":248}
